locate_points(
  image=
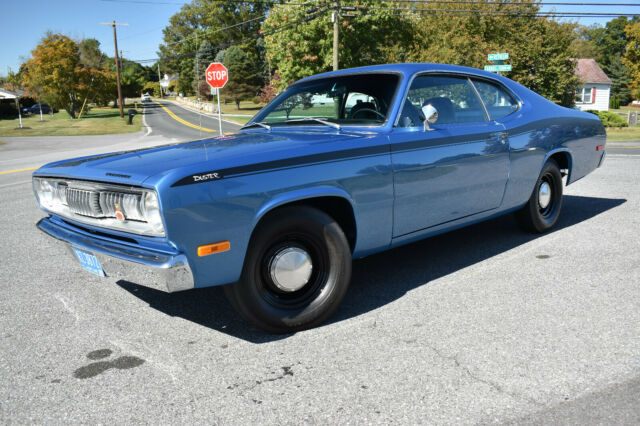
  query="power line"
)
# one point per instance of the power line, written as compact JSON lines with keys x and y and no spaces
{"x":213,"y":31}
{"x":506,"y":3}
{"x":264,"y":2}
{"x":240,"y":41}
{"x":497,"y":12}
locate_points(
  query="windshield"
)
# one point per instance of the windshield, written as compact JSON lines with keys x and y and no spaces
{"x":362,"y":99}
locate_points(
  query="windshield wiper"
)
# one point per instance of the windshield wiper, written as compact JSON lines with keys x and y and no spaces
{"x":256,"y":123}
{"x":319,"y":120}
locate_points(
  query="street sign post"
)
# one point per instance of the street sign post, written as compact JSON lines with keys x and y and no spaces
{"x":498,"y":56}
{"x":498,"y":62}
{"x":497,"y":68}
{"x":217,"y":76}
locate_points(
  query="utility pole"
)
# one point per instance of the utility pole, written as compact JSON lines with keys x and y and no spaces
{"x":197,"y":69}
{"x":115,"y":44}
{"x":161,"y":93}
{"x":335,"y":17}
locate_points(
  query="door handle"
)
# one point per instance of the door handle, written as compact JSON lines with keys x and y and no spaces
{"x":501,"y":136}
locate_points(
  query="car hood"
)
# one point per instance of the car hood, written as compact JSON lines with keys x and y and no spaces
{"x":148,"y":166}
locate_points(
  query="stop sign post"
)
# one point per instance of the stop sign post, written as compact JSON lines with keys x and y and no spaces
{"x":217,"y":76}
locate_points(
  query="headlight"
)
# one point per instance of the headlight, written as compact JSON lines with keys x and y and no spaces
{"x":151,"y":210}
{"x":128,"y":209}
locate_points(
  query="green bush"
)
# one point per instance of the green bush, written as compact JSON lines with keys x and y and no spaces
{"x":614,"y":103}
{"x":610,"y":119}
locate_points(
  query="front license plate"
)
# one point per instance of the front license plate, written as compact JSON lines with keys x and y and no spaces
{"x":89,"y":262}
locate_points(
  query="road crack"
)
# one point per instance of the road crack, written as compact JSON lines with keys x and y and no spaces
{"x":493,"y":385}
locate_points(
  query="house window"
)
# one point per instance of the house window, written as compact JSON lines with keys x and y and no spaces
{"x":583,"y":95}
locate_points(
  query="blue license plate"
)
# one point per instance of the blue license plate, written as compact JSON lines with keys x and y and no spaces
{"x":89,"y":262}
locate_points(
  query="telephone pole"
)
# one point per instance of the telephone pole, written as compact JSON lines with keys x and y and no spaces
{"x":159,"y":81}
{"x":115,"y":44}
{"x":335,"y":17}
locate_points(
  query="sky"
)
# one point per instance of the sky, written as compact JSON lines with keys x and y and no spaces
{"x":25,"y":22}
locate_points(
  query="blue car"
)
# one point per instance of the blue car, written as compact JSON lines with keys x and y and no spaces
{"x":339,"y":166}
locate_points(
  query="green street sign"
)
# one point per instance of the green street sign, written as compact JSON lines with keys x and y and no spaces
{"x":498,"y":56}
{"x":495,"y":68}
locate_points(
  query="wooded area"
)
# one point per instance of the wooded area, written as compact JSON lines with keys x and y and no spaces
{"x":268,"y":45}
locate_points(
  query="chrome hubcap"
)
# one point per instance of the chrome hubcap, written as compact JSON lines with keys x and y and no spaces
{"x":544,"y":195}
{"x":290,"y":269}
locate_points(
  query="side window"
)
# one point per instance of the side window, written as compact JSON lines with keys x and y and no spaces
{"x":453,"y":97}
{"x":498,"y":102}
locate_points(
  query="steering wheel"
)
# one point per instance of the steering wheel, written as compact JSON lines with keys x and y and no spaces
{"x":382,"y":116}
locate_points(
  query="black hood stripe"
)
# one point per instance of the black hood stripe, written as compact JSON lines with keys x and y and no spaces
{"x":278,"y":164}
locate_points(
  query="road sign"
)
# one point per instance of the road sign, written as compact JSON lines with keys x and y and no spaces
{"x":217,"y":75}
{"x":495,"y":68}
{"x":498,"y":56}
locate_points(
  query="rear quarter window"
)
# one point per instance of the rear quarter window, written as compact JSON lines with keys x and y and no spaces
{"x":498,"y":102}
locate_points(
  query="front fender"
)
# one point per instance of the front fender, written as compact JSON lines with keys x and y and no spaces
{"x":288,"y":197}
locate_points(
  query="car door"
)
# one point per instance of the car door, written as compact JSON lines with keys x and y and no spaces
{"x":456,"y":169}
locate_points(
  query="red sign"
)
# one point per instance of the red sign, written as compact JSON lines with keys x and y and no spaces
{"x":217,"y":75}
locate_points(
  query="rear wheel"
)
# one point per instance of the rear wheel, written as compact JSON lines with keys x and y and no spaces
{"x":296,"y":272}
{"x":543,"y":208}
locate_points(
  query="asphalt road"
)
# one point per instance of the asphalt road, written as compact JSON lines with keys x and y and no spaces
{"x":483,"y":325}
{"x":168,"y":119}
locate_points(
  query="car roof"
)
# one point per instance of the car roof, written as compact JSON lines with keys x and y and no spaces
{"x":408,"y":69}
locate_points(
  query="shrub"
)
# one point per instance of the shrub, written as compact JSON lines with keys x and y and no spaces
{"x":610,"y":119}
{"x":614,"y":103}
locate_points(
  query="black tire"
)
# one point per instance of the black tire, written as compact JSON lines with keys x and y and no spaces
{"x":258,"y":297}
{"x":536,"y":217}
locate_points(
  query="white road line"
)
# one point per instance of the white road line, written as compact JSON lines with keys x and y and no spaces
{"x":144,"y":121}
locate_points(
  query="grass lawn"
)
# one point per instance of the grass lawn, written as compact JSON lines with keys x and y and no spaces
{"x":622,"y":134}
{"x":98,"y":121}
{"x":239,"y":120}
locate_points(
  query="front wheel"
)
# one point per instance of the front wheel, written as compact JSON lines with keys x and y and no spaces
{"x":296,"y":272}
{"x":543,"y":208}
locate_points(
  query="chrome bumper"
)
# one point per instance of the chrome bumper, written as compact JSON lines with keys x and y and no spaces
{"x":153,"y":269}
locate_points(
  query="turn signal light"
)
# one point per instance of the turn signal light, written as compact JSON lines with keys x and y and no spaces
{"x":599,"y":147}
{"x":214,"y":248}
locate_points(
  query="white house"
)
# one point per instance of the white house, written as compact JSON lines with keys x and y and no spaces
{"x":596,"y":89}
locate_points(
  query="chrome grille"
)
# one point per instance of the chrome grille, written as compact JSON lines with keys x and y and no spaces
{"x":84,"y":202}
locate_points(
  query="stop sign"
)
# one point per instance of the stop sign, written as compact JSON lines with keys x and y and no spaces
{"x":217,"y":75}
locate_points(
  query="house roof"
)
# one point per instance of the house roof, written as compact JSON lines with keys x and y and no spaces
{"x":589,"y":71}
{"x":8,"y":94}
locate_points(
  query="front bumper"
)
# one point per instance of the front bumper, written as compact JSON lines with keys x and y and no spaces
{"x":150,"y":268}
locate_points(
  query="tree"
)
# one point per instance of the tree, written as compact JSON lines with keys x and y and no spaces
{"x":205,"y":55}
{"x":244,"y":76}
{"x":208,"y":17}
{"x":611,"y":42}
{"x":299,"y":48}
{"x":132,"y":78}
{"x":56,"y":75}
{"x":152,"y":87}
{"x":632,"y":56}
{"x":539,"y":48}
{"x":102,"y":85}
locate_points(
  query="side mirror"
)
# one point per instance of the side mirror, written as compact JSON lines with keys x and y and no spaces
{"x":430,"y":116}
